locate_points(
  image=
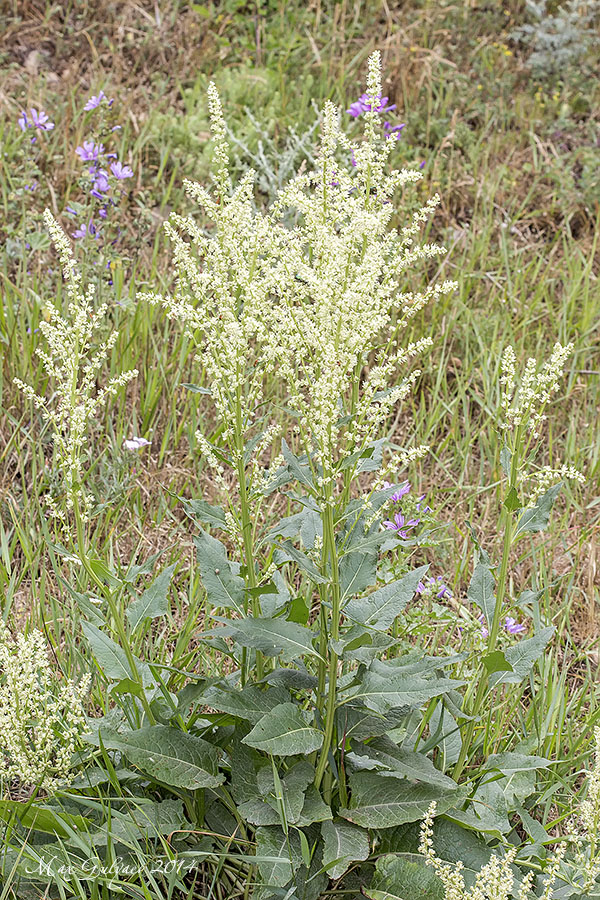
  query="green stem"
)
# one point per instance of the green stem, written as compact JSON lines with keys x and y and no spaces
{"x":501,"y":591}
{"x":247,"y":531}
{"x":113,"y":608}
{"x":334,"y":633}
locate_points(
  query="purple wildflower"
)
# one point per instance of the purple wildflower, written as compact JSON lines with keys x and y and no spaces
{"x":120,"y":171}
{"x":400,"y":493}
{"x":422,"y":165}
{"x":484,"y":631}
{"x":101,"y":183}
{"x":393,"y":130}
{"x":400,"y":524}
{"x":84,"y":230}
{"x":95,"y":101}
{"x":362,"y":105}
{"x":512,"y":626}
{"x":426,"y":509}
{"x":38,"y":120}
{"x":435,"y":586}
{"x":70,"y":209}
{"x":89,"y":151}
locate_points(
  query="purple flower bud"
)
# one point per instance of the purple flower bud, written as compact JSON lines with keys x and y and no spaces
{"x":95,"y":101}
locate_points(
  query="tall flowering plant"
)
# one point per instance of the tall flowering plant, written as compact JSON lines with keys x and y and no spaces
{"x":325,"y":726}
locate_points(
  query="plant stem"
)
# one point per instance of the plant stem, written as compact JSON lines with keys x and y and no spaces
{"x":501,"y":591}
{"x":334,"y":632}
{"x":247,"y":533}
{"x":113,"y":608}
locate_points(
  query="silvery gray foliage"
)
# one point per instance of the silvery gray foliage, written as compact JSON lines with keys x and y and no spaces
{"x":275,"y":165}
{"x":561,"y":39}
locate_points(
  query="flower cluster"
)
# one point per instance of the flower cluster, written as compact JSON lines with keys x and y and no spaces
{"x":69,"y":360}
{"x":494,"y":881}
{"x":433,"y":587}
{"x":316,"y":302}
{"x":586,"y":828}
{"x":40,"y":718}
{"x":339,"y":284}
{"x":511,"y":626}
{"x":105,"y":173}
{"x":222,"y":297}
{"x":523,"y":403}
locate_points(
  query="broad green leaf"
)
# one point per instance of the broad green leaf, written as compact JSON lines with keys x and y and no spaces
{"x":481,"y":591}
{"x":510,"y":762}
{"x":245,"y":763}
{"x":202,"y":511}
{"x":273,"y":637}
{"x":505,"y":460}
{"x":307,"y":523}
{"x":511,"y":501}
{"x":278,"y":856}
{"x":384,"y":692}
{"x":404,"y":877}
{"x":343,"y":844}
{"x":251,"y":703}
{"x":284,"y":732}
{"x":381,"y":608}
{"x":286,"y":552}
{"x":224,"y":589}
{"x":314,"y":809}
{"x":169,"y":755}
{"x":43,"y":818}
{"x":496,"y":662}
{"x":399,"y":763}
{"x":286,"y":796}
{"x":358,"y":571}
{"x":110,"y":657}
{"x":300,"y":472}
{"x":537,"y":517}
{"x":294,"y":679}
{"x":153,"y":602}
{"x":522,"y":656}
{"x":380,"y":803}
{"x":358,"y":722}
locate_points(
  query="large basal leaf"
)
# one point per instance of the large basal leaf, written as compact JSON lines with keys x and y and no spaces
{"x":223,"y":587}
{"x":537,"y":517}
{"x":382,"y":802}
{"x":169,"y":755}
{"x":381,"y":608}
{"x":522,"y":657}
{"x":357,"y":722}
{"x":153,"y":602}
{"x":284,"y":731}
{"x":384,"y":692}
{"x":395,"y":762}
{"x":404,"y":877}
{"x":273,"y":637}
{"x":250,"y":704}
{"x":343,"y":844}
{"x":481,"y":591}
{"x":278,"y":856}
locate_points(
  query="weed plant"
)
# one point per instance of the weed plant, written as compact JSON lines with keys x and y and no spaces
{"x":273,"y":714}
